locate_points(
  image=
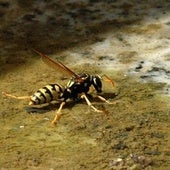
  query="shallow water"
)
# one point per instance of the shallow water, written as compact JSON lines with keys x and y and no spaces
{"x":130,"y":45}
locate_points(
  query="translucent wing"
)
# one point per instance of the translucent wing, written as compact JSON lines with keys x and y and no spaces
{"x":56,"y":65}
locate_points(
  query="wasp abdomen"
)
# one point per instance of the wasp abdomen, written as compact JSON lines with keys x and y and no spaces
{"x":47,"y":94}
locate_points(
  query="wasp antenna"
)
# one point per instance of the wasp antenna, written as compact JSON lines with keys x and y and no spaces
{"x":108,"y":79}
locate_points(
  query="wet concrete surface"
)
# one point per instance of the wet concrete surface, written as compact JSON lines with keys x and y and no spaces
{"x":128,"y":41}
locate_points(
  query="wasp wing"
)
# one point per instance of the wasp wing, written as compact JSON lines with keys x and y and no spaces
{"x":56,"y":65}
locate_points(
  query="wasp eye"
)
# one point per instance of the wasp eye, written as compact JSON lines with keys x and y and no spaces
{"x":97,"y":84}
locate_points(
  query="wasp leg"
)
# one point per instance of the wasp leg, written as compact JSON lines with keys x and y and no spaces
{"x":104,"y":100}
{"x":58,"y":114}
{"x":16,"y":97}
{"x":89,"y":103}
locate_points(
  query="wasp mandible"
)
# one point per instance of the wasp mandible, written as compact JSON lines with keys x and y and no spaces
{"x":77,"y":88}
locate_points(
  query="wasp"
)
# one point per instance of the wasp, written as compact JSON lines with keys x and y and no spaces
{"x":77,"y":88}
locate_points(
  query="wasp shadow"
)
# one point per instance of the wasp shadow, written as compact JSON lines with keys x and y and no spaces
{"x":41,"y":109}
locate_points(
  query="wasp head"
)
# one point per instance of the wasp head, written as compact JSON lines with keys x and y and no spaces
{"x":97,"y":83}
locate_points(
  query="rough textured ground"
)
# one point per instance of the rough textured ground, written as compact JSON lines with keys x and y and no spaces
{"x":128,"y":41}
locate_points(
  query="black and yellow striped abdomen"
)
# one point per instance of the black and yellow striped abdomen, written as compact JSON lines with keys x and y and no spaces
{"x":47,"y":94}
